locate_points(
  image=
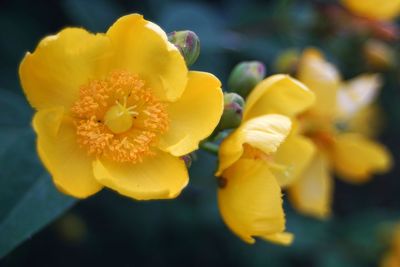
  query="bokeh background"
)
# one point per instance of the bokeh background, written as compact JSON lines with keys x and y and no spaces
{"x":111,"y":230}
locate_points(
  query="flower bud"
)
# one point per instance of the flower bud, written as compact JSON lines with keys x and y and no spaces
{"x":233,"y":111}
{"x":188,"y":44}
{"x":287,"y":61}
{"x":378,"y":54}
{"x":245,"y":76}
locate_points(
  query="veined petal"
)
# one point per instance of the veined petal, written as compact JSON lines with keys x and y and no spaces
{"x":278,"y":94}
{"x":159,"y":177}
{"x":265,"y":133}
{"x":194,"y":116}
{"x":357,"y":94}
{"x":52,"y":74}
{"x":374,"y":9}
{"x":311,"y":194}
{"x":142,"y":47}
{"x":251,"y":202}
{"x":357,"y":158}
{"x":69,"y":165}
{"x":322,"y":78}
{"x":292,"y":158}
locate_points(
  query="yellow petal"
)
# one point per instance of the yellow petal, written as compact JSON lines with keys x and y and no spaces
{"x":357,"y":94}
{"x":52,"y":74}
{"x":278,"y":94}
{"x":195,"y":115}
{"x":357,"y":158}
{"x":374,"y":9}
{"x":280,"y":238}
{"x":368,"y":121}
{"x":322,"y":78}
{"x":69,"y":165}
{"x":251,"y":202}
{"x":159,"y":177}
{"x":142,"y":47}
{"x":294,"y":155}
{"x":265,"y":133}
{"x":311,"y":194}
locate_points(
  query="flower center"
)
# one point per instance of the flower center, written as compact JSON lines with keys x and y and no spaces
{"x":119,"y":118}
{"x":256,"y":154}
{"x":322,"y":130}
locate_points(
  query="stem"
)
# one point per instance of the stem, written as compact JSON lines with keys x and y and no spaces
{"x":210,"y":147}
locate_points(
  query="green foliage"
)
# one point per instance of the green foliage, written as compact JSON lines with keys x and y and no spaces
{"x":29,"y":200}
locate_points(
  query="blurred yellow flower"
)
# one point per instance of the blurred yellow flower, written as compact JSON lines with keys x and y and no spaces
{"x":392,"y":257}
{"x":261,"y":155}
{"x":118,"y":109}
{"x":333,"y":124}
{"x":374,"y":9}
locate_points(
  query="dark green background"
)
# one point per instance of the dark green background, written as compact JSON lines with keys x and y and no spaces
{"x":115,"y":231}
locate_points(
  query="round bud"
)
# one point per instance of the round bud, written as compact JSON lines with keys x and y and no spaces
{"x":245,"y":76}
{"x":188,"y":44}
{"x":233,"y":111}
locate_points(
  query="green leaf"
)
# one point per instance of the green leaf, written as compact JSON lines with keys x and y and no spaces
{"x":28,"y":199}
{"x":39,"y":204}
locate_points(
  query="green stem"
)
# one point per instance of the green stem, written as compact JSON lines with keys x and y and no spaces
{"x":210,"y":147}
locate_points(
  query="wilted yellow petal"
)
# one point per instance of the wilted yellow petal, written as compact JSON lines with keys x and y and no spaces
{"x":251,"y":202}
{"x":357,"y":158}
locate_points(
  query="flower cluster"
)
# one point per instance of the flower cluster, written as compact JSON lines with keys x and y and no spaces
{"x":121,"y":110}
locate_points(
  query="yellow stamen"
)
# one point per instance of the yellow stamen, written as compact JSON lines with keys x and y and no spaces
{"x":119,"y":118}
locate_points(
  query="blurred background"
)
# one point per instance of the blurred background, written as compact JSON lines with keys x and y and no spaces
{"x":111,"y":230}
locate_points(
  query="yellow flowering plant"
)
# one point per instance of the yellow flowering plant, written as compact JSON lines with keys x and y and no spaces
{"x":337,"y":126}
{"x":261,"y":155}
{"x":121,"y":110}
{"x":118,"y":110}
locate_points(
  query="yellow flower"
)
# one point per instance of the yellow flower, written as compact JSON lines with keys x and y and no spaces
{"x":118,"y":109}
{"x":374,"y":9}
{"x":332,"y":125}
{"x":261,"y":155}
